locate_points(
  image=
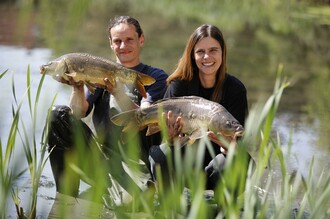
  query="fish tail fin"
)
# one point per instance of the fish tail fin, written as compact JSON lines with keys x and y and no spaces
{"x":143,"y":80}
{"x":140,"y":87}
{"x":130,"y":126}
{"x":125,"y":119}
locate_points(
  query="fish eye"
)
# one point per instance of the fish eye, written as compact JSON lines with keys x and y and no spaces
{"x":228,"y":124}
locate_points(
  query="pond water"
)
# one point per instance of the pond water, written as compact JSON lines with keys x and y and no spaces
{"x":17,"y":60}
{"x":294,"y":126}
{"x":304,"y":134}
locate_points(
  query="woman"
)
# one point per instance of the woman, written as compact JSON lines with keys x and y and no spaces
{"x":201,"y":71}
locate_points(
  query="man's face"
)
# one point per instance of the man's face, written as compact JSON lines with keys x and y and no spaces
{"x":126,"y":44}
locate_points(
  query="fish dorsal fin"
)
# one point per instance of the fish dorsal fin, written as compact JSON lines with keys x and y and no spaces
{"x":152,"y":129}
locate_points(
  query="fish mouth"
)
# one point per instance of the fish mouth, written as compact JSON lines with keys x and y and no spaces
{"x":42,"y":69}
{"x":238,"y":135}
{"x":239,"y":132}
{"x":233,"y":135}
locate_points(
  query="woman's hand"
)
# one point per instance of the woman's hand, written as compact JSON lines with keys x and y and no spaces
{"x":215,"y":139}
{"x":174,"y":126}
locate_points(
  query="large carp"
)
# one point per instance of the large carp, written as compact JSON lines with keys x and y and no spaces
{"x":198,"y":115}
{"x":92,"y":70}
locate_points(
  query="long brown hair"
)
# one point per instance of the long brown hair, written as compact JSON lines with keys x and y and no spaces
{"x":187,"y":67}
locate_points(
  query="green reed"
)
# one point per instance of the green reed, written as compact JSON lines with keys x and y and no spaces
{"x":245,"y":190}
{"x":7,"y":175}
{"x":35,"y":153}
{"x":32,"y":145}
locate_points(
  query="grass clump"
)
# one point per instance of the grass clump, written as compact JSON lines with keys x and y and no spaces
{"x":246,"y":190}
{"x":34,"y":151}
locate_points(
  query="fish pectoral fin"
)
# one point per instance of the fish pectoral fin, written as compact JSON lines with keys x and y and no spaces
{"x":196,"y":134}
{"x":152,"y":129}
{"x":91,"y":87}
{"x":140,"y":88}
{"x":183,"y":141}
{"x":72,"y":74}
{"x":191,"y":141}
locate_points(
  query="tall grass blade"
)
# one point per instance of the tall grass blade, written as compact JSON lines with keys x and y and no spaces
{"x":28,"y":84}
{"x":12,"y":135}
{"x":3,"y":73}
{"x":7,"y":175}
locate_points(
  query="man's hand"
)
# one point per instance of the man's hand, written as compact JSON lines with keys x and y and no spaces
{"x":69,"y":81}
{"x":111,"y":88}
{"x":116,"y":88}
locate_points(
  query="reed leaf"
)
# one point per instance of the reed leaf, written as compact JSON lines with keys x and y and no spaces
{"x":7,"y":176}
{"x":12,"y":135}
{"x":3,"y":73}
{"x":13,"y":91}
{"x":28,"y":84}
{"x":28,"y":137}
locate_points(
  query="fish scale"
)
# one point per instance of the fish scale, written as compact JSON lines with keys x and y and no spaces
{"x":92,"y":70}
{"x":198,"y":114}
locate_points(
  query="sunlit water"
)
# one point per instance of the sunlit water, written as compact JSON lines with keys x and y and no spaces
{"x":17,"y":61}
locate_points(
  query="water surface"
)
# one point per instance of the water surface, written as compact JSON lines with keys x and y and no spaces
{"x":293,"y":129}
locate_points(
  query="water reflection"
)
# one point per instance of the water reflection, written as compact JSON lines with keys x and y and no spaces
{"x":17,"y":61}
{"x":302,"y":122}
{"x":305,"y":134}
{"x":299,"y":139}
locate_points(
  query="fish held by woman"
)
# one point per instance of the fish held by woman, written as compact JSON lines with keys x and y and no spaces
{"x":92,"y":70}
{"x":198,"y":114}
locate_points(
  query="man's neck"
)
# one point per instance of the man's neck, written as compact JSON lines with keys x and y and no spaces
{"x":129,"y":64}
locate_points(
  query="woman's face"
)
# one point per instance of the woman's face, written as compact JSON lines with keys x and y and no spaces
{"x":208,"y":56}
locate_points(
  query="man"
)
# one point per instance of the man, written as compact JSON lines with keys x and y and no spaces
{"x":65,"y":144}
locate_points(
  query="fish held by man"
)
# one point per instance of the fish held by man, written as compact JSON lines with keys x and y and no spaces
{"x":198,"y":115}
{"x":92,"y":70}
